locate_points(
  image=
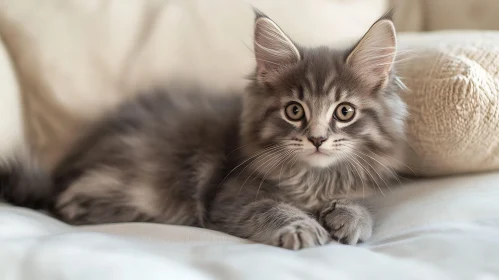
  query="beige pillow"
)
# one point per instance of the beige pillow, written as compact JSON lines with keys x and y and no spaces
{"x":453,"y":98}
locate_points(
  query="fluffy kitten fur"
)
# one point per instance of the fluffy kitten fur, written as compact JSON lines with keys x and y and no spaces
{"x":277,"y":166}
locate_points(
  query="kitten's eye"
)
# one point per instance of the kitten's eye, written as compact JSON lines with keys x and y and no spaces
{"x":294,"y":111}
{"x":344,"y":112}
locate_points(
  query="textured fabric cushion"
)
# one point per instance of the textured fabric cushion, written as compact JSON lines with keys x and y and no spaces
{"x":453,"y":97}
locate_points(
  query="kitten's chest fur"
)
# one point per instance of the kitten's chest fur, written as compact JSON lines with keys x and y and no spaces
{"x":306,"y":189}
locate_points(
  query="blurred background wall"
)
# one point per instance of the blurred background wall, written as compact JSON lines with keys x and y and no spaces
{"x":429,"y":15}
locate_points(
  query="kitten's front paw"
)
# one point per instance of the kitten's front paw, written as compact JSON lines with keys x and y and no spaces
{"x":301,"y":234}
{"x":71,"y":209}
{"x":347,"y":222}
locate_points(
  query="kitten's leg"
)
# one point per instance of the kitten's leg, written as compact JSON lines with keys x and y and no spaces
{"x":101,"y":197}
{"x":347,"y":221}
{"x":271,"y":222}
{"x":87,"y":210}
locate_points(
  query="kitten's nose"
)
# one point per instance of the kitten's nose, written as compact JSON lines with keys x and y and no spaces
{"x":317,"y":141}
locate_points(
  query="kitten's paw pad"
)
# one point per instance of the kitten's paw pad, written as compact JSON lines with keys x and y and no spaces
{"x":301,"y":234}
{"x":347,"y":222}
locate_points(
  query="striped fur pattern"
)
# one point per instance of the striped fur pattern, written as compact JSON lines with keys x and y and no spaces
{"x":286,"y":164}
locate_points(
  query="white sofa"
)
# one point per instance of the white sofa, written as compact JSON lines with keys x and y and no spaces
{"x":63,"y":64}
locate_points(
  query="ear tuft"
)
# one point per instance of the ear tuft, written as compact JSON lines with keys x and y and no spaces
{"x":373,"y":56}
{"x":273,"y":48}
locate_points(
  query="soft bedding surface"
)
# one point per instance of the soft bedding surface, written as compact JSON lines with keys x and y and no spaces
{"x":438,"y":229}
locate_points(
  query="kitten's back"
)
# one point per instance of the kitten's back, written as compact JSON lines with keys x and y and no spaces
{"x":154,"y":158}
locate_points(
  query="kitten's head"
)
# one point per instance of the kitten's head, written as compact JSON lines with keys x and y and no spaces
{"x":322,"y":106}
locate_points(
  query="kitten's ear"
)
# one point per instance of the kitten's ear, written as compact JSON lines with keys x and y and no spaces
{"x":373,"y":56}
{"x":273,"y":49}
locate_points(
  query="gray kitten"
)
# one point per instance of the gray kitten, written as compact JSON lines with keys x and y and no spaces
{"x":280,"y":165}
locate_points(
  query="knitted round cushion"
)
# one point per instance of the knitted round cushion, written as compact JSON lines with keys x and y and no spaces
{"x":453,"y":91}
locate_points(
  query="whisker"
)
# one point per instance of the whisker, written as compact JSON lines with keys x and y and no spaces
{"x":368,"y":173}
{"x":279,"y":160}
{"x":256,"y":142}
{"x":392,"y":158}
{"x":373,"y":169}
{"x":400,"y":83}
{"x":399,"y":57}
{"x":360,"y":177}
{"x":266,"y":155}
{"x":246,"y":145}
{"x":258,"y":168}
{"x":397,"y":61}
{"x":295,"y":160}
{"x":350,"y":173}
{"x":246,"y":160}
{"x":248,"y":47}
{"x":280,"y":172}
{"x":392,"y":172}
{"x":263,"y":156}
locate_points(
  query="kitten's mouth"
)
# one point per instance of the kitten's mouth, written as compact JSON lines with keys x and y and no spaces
{"x":319,"y":158}
{"x":318,"y":152}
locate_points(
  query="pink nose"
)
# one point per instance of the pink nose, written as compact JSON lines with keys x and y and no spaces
{"x":317,"y":141}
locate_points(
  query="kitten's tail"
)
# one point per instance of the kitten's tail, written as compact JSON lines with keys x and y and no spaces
{"x":24,"y":183}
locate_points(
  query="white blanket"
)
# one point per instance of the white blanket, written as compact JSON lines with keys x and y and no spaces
{"x":438,"y":229}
